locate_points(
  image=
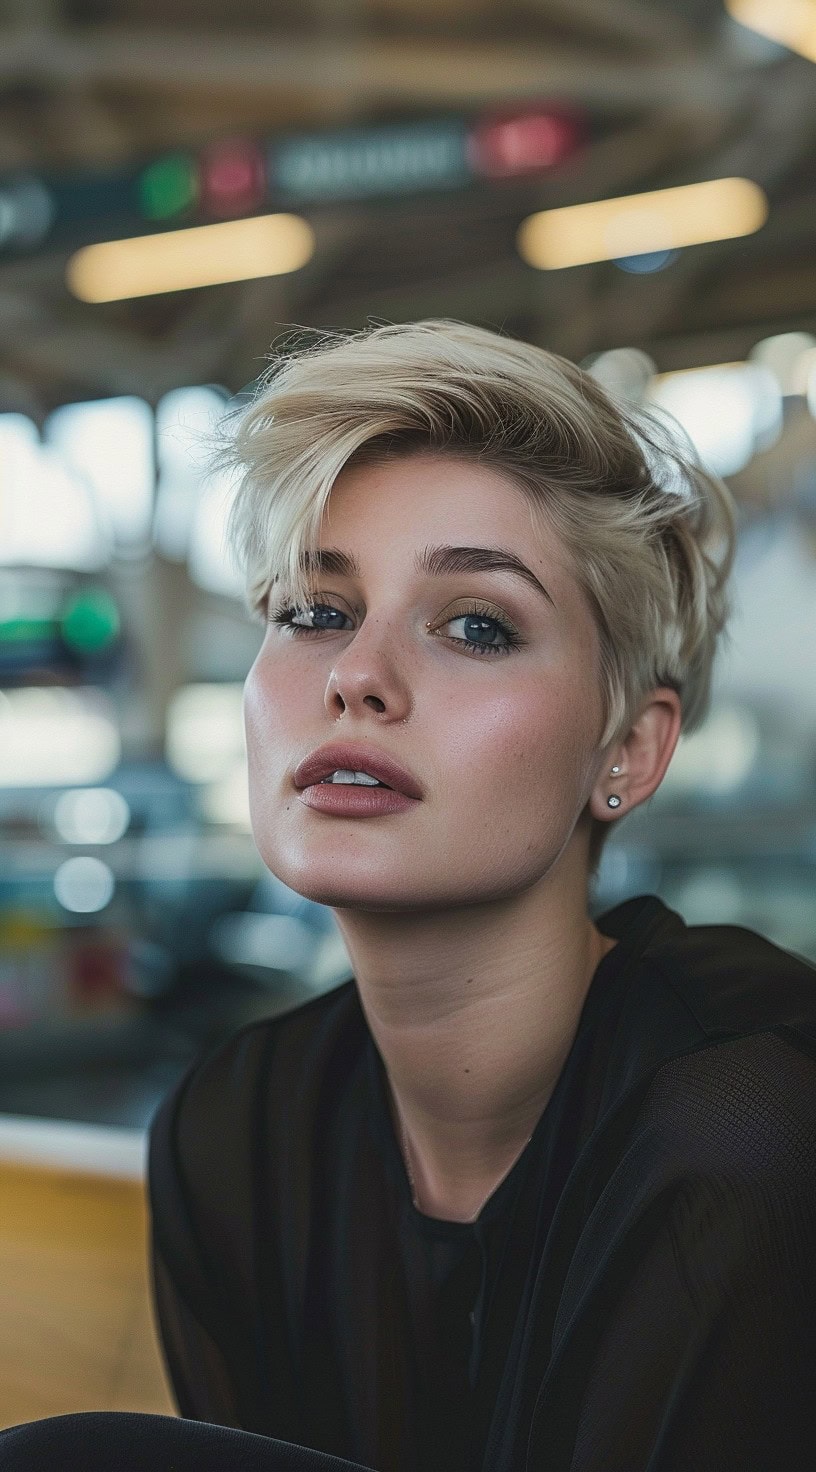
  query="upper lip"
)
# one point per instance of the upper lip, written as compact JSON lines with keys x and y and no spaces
{"x":356,"y":756}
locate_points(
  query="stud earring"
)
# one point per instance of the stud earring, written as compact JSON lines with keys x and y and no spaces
{"x":615,"y":769}
{"x":614,"y":801}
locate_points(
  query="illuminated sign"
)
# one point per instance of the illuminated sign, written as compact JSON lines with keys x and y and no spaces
{"x":239,"y":177}
{"x":506,"y":146}
{"x":169,"y":186}
{"x":27,"y":211}
{"x":233,"y":178}
{"x":56,"y":627}
{"x":359,"y":162}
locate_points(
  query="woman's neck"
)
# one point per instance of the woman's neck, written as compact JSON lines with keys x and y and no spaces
{"x":474,"y":1017}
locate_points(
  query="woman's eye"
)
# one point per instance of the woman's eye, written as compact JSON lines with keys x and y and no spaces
{"x":288,"y":616}
{"x":483,"y":632}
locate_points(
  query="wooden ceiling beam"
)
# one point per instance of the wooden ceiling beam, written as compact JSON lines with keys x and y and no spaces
{"x":636,"y":23}
{"x":394,"y":70}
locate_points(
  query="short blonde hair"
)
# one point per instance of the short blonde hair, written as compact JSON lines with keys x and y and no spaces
{"x":650,"y":534}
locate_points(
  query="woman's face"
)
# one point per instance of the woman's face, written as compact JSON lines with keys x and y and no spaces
{"x":503,"y":743}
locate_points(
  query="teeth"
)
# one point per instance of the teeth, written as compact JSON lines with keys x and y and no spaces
{"x":359,"y":779}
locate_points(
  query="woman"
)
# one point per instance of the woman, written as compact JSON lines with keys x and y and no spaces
{"x":531,"y":1190}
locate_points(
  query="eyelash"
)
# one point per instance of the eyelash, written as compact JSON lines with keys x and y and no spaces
{"x":283,"y":618}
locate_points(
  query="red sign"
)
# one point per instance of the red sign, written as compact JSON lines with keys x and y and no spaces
{"x":522,"y":143}
{"x":233,"y":178}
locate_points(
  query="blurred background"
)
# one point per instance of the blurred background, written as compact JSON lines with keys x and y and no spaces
{"x":629,"y":182}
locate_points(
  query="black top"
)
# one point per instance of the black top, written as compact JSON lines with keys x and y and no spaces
{"x":637,"y":1295}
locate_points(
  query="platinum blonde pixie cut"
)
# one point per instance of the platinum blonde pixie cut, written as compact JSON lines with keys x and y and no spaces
{"x":649,"y":534}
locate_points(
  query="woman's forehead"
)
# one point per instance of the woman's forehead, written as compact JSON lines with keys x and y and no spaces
{"x":417,"y":503}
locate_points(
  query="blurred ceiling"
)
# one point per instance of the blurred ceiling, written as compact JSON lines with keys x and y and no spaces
{"x":677,"y":92}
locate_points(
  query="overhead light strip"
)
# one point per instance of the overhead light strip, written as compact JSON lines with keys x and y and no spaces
{"x":178,"y":260}
{"x":791,"y":23}
{"x":634,"y":224}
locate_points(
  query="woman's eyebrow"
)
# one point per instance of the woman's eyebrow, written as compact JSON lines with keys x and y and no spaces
{"x":435,"y":561}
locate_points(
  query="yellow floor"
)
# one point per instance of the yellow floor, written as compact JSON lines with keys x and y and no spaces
{"x":76,"y":1326}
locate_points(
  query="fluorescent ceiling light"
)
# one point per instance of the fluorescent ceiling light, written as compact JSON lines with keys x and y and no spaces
{"x":48,"y":516}
{"x":52,"y":736}
{"x":792,"y":23}
{"x":185,"y":420}
{"x":205,"y":731}
{"x":227,"y":800}
{"x":209,"y":559}
{"x":177,"y":260}
{"x":789,"y":356}
{"x":665,"y":219}
{"x":108,"y":445}
{"x":626,"y":372}
{"x":728,"y":410}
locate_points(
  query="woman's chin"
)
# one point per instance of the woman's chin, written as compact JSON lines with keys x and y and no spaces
{"x":370,"y":889}
{"x":328,"y":880}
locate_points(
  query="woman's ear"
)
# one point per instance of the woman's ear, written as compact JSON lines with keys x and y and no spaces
{"x":642,"y":757}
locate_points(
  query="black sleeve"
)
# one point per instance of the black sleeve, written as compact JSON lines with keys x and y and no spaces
{"x":700,"y":1348}
{"x":216,"y":1271}
{"x":196,"y":1368}
{"x":185,"y":1294}
{"x":711,"y":1362}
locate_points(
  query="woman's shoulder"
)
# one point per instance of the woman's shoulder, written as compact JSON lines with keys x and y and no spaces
{"x":259,"y":1084}
{"x":734,"y":979}
{"x":218,"y":1092}
{"x":732,"y":1085}
{"x":714,"y":1045}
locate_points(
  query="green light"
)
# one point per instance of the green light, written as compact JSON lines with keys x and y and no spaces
{"x":168,"y":186}
{"x":24,"y":630}
{"x":91,"y":621}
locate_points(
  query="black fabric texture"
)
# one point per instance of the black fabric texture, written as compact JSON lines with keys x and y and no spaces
{"x":128,"y":1441}
{"x":637,"y":1295}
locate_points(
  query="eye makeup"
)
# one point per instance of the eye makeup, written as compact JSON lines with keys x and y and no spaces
{"x":476,"y":612}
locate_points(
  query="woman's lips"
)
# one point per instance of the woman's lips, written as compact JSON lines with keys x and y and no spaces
{"x":356,"y":756}
{"x":345,"y":800}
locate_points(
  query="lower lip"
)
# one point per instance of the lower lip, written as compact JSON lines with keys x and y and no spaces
{"x":346,"y":801}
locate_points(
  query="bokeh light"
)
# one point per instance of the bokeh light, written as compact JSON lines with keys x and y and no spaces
{"x":91,"y":815}
{"x":84,"y":885}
